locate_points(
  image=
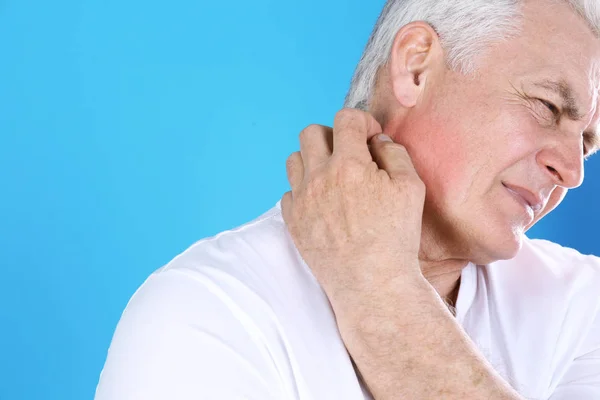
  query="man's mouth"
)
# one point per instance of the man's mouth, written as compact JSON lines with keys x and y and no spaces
{"x":528,"y":199}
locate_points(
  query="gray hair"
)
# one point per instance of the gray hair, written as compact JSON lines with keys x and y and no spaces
{"x":465,"y":27}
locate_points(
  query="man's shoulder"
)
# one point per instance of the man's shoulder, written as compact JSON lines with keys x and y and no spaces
{"x":552,"y":285}
{"x":259,"y":255}
{"x":538,"y":308}
{"x":241,"y":299}
{"x":559,"y":263}
{"x":556,"y":249}
{"x":261,"y":238}
{"x":209,"y":313}
{"x":544,"y":289}
{"x":251,"y":273}
{"x":543,"y":264}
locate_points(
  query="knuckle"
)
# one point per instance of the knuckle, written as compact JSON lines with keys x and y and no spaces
{"x":287,"y":199}
{"x":386,"y":147}
{"x":416,"y":185}
{"x":392,"y":146}
{"x":347,"y":114}
{"x":310,"y":131}
{"x":316,"y":187}
{"x":292,"y":159}
{"x":409,"y":179}
{"x":349,"y":168}
{"x":291,"y":163}
{"x":395,"y":150}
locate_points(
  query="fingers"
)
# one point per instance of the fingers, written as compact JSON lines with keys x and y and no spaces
{"x":295,"y":170}
{"x":352,"y":129}
{"x":393,"y":158}
{"x":286,"y":207}
{"x":316,"y":144}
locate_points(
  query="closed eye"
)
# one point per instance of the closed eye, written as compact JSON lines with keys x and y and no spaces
{"x":589,"y":147}
{"x":551,"y":106}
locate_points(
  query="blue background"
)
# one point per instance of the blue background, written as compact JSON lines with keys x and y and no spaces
{"x":130,"y":129}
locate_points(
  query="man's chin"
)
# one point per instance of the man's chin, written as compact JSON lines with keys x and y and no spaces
{"x":500,"y":248}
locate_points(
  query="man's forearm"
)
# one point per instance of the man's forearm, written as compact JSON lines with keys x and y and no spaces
{"x":409,"y":346}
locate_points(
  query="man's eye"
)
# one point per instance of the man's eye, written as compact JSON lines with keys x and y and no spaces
{"x":553,"y":109}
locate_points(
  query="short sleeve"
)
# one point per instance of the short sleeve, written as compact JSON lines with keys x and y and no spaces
{"x":180,"y":339}
{"x":582,"y":379}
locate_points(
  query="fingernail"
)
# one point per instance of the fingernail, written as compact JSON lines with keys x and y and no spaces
{"x":384,"y":138}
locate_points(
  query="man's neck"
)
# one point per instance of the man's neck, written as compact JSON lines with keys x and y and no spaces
{"x":444,"y":277}
{"x":442,"y":257}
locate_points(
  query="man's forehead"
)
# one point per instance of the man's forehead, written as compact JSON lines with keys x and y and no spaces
{"x":556,"y":37}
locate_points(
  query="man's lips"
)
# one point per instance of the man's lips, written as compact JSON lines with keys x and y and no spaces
{"x":530,"y":199}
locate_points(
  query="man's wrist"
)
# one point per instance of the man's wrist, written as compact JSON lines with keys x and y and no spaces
{"x":405,"y":301}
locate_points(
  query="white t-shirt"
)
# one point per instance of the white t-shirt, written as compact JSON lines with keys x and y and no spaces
{"x":240,"y":316}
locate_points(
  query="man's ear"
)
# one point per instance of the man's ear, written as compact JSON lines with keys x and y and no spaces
{"x":415,"y":55}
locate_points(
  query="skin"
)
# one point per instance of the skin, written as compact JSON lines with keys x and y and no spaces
{"x":508,"y":136}
{"x":387,"y":228}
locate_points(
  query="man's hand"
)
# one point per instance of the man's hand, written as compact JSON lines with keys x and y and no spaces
{"x":354,"y":212}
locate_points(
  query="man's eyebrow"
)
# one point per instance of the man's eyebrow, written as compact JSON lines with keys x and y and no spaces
{"x":564,"y":90}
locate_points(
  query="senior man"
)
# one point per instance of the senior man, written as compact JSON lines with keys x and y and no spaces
{"x":397,"y":267}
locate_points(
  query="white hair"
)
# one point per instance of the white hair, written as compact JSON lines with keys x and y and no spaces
{"x":465,"y":28}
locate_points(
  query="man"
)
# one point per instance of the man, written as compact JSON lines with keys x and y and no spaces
{"x":341,"y":290}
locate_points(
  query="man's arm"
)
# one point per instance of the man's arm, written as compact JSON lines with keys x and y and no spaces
{"x":355,"y":214}
{"x":406,"y":344}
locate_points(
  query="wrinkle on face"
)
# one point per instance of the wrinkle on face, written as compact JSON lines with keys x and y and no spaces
{"x":470,"y":135}
{"x":592,"y":131}
{"x":556,"y":103}
{"x":534,"y":104}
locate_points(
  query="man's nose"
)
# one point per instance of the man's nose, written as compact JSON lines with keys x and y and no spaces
{"x":563,"y":163}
